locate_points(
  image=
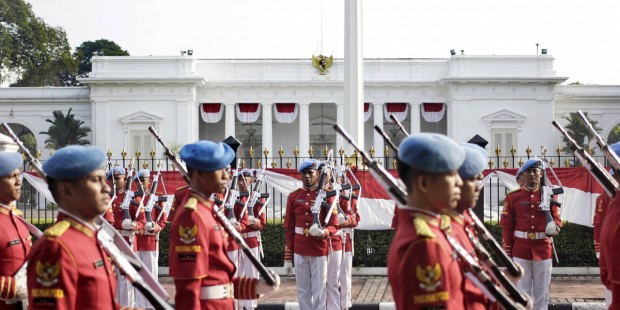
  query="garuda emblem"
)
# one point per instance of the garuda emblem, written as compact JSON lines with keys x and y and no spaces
{"x":429,"y":277}
{"x":188,"y":234}
{"x":322,"y":63}
{"x":47,"y":273}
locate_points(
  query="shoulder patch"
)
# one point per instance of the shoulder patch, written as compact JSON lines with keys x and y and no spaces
{"x":422,"y":229}
{"x":57,"y":229}
{"x":513,"y":191}
{"x":191,"y":204}
{"x":445,"y":222}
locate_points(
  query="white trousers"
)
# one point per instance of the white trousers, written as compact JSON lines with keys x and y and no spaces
{"x":536,"y":281}
{"x":150,"y":260}
{"x":248,"y":270}
{"x":607,"y":297}
{"x":345,"y":280}
{"x":311,"y":277}
{"x":334,"y":260}
{"x":234,"y":257}
{"x":125,"y":293}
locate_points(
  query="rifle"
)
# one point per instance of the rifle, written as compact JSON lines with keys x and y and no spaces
{"x":386,"y":138}
{"x":402,"y":128}
{"x":609,"y":184}
{"x":321,"y":196}
{"x":394,"y":188}
{"x":225,"y":223}
{"x":546,"y":198}
{"x":229,"y":204}
{"x":613,"y":158}
{"x":148,"y":209}
{"x":117,"y":249}
{"x":129,"y":195}
{"x":255,"y":195}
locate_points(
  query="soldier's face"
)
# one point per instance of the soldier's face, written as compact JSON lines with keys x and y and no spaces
{"x":444,"y":190}
{"x":10,"y":187}
{"x":119,"y":179}
{"x":213,"y":181}
{"x":532,"y":177}
{"x":146,"y":183}
{"x":309,"y":177}
{"x":87,"y":197}
{"x":244,"y":183}
{"x":470,"y":190}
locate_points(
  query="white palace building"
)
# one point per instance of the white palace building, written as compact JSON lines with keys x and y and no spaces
{"x":268,"y":103}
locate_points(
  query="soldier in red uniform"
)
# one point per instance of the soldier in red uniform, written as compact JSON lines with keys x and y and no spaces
{"x":352,"y":217}
{"x":148,"y":239}
{"x":307,"y":243}
{"x":523,"y":231}
{"x":422,"y":270}
{"x":610,"y":244}
{"x":238,"y":220}
{"x":179,"y":196}
{"x":202,"y":272}
{"x":113,"y":177}
{"x":334,"y":256}
{"x":601,"y":205}
{"x":256,"y":221}
{"x":15,"y":239}
{"x":68,"y":268}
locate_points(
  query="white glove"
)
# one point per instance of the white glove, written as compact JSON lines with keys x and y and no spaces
{"x":552,"y":229}
{"x":263,"y":288}
{"x":21,"y":288}
{"x":315,"y":231}
{"x":288,"y":268}
{"x":341,"y":219}
{"x":149,"y":226}
{"x":598,"y":255}
{"x":128,"y":224}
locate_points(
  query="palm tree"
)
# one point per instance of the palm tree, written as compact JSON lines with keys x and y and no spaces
{"x":579,"y":131}
{"x":65,"y":130}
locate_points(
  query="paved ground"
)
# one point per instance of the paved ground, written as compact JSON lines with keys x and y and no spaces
{"x":369,"y":290}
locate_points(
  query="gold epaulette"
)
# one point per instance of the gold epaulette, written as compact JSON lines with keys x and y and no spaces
{"x":513,"y":191}
{"x":445,"y":222}
{"x":422,"y":229}
{"x":453,"y":216}
{"x":191,"y":204}
{"x":181,"y":188}
{"x":57,"y":229}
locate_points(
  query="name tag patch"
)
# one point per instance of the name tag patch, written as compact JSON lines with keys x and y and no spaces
{"x":14,"y":242}
{"x":525,"y":204}
{"x":99,"y":263}
{"x":187,"y":257}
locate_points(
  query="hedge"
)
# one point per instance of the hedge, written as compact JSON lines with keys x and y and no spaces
{"x":574,"y":246}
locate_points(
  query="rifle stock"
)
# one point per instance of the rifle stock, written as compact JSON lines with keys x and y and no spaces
{"x":609,"y":153}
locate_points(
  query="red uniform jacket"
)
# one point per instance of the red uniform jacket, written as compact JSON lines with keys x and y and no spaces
{"x":147,"y":240}
{"x":335,"y":240}
{"x":15,"y":243}
{"x":253,"y":241}
{"x":422,"y":270}
{"x":179,"y":196}
{"x":68,"y":269}
{"x":298,"y":215}
{"x":522,"y":213}
{"x":602,"y":202}
{"x":108,"y":215}
{"x":118,"y":219}
{"x":610,"y":251}
{"x":198,"y":257}
{"x":352,"y":219}
{"x":242,"y":220}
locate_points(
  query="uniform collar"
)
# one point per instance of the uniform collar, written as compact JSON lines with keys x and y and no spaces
{"x":202,"y":198}
{"x":460,"y":218}
{"x":78,"y":223}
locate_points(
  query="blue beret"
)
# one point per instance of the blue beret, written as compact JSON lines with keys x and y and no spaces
{"x":116,"y":170}
{"x":529,"y":164}
{"x":144,"y":173}
{"x":73,"y":162}
{"x":616,"y":148}
{"x":475,"y":160}
{"x":247,"y":172}
{"x":309,"y":164}
{"x":207,"y":156}
{"x":431,"y":153}
{"x":9,"y":161}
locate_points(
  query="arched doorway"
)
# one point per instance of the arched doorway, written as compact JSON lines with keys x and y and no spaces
{"x":25,"y":135}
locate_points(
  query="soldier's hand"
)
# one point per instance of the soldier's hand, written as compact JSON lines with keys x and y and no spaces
{"x":598,"y":255}
{"x":264,"y":288}
{"x":21,"y":289}
{"x":128,"y":224}
{"x":149,"y":226}
{"x":288,"y":267}
{"x":317,"y":232}
{"x":341,"y":219}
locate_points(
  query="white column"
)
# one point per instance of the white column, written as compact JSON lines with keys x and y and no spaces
{"x":229,"y":128}
{"x":377,"y":111}
{"x":267,"y":130}
{"x":304,"y":128}
{"x":339,"y":120}
{"x":353,"y":74}
{"x":415,"y":117}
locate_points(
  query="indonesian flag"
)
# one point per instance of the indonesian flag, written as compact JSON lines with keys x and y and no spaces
{"x":211,"y":112}
{"x":367,"y":111}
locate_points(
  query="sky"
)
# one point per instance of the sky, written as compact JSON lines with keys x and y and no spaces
{"x":581,"y":35}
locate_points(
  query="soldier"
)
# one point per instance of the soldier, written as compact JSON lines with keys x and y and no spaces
{"x":422,"y":270}
{"x":179,"y":196}
{"x":602,"y":204}
{"x":202,"y":272}
{"x":351,"y":219}
{"x":148,"y":239}
{"x":334,"y":257}
{"x":256,"y":221}
{"x":462,"y":225}
{"x":239,"y":222}
{"x":610,"y":244}
{"x":114,"y":177}
{"x":523,"y":232}
{"x":15,"y":239}
{"x":307,"y":243}
{"x":68,"y":268}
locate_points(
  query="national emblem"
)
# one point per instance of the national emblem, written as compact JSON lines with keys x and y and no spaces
{"x":429,"y":277}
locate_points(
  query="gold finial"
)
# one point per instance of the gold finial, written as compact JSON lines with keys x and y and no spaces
{"x":505,"y":163}
{"x":498,"y":150}
{"x":347,"y":161}
{"x":288,"y":164}
{"x":116,"y":164}
{"x":394,"y":163}
{"x":311,"y":152}
{"x":363,"y":165}
{"x":266,"y":152}
{"x":520,"y":163}
{"x":152,"y":153}
{"x":131,"y":164}
{"x":296,"y":151}
{"x":513,"y":150}
{"x":341,"y":151}
{"x":31,"y":168}
{"x":145,"y":165}
{"x":138,"y":154}
{"x":491,"y":164}
{"x":251,"y":152}
{"x":159,"y":164}
{"x":528,"y":151}
{"x":559,"y":150}
{"x":371,"y":151}
{"x":243,"y":163}
{"x":386,"y":151}
{"x":552,"y":162}
{"x":123,"y":153}
{"x":38,"y":154}
{"x":566,"y":163}
{"x":543,"y":150}
{"x":281,"y":151}
{"x":259,"y":164}
{"x":325,"y":152}
{"x":109,"y":153}
{"x":23,"y":156}
{"x":589,"y":150}
{"x":274,"y":164}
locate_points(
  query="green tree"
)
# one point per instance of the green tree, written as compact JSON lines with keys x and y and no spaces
{"x":614,"y":135}
{"x":65,"y":130}
{"x":84,"y":53}
{"x":32,"y":52}
{"x":579,"y":131}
